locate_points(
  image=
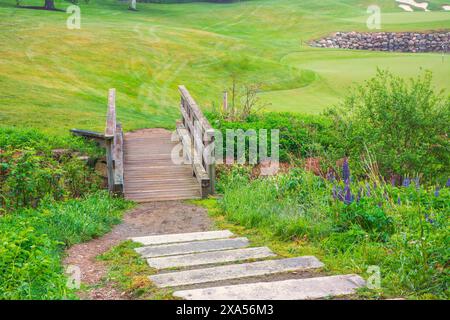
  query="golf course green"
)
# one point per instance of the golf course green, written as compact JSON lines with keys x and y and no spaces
{"x":53,"y":78}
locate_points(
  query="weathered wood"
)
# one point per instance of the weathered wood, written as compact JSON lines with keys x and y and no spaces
{"x":197,"y":137}
{"x":150,"y":173}
{"x":192,"y":157}
{"x":87,"y":134}
{"x":118,"y":160}
{"x":110,"y":162}
{"x":111,"y":114}
{"x":114,"y":146}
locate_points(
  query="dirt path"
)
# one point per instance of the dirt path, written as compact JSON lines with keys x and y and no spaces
{"x":146,"y":219}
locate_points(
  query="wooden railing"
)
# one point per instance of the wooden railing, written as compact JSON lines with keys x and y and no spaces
{"x":114,"y":146}
{"x":197,"y":137}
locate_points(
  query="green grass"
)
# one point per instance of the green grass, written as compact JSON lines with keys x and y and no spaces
{"x":32,"y":243}
{"x":129,"y":272}
{"x":54,"y":79}
{"x":295,"y":214}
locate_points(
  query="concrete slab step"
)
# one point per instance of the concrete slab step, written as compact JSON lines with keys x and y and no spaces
{"x":235,"y":271}
{"x":182,"y":237}
{"x":205,"y":258}
{"x":191,"y":247}
{"x":297,"y":289}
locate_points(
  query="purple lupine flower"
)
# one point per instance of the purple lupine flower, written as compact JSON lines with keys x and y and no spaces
{"x":436,"y":192}
{"x":334,"y":192}
{"x":374,"y":185}
{"x":448,"y":183}
{"x":428,"y":219}
{"x":348,"y":195}
{"x":368,"y":189}
{"x":399,"y":200}
{"x":346,"y":170}
{"x":406,"y":182}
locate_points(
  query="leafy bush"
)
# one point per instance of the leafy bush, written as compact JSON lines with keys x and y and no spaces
{"x":403,"y":230}
{"x":404,"y":125}
{"x":300,"y":135}
{"x":32,"y":243}
{"x":17,"y":138}
{"x":367,"y":215}
{"x":29,"y":171}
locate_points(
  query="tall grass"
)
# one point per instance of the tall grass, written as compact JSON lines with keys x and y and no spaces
{"x":403,"y":230}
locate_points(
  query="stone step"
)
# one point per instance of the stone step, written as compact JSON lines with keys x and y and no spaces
{"x":204,"y":258}
{"x":235,"y":271}
{"x":297,"y":289}
{"x":191,"y":247}
{"x":182,"y":237}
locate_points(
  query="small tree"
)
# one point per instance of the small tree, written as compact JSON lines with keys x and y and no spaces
{"x":403,"y":124}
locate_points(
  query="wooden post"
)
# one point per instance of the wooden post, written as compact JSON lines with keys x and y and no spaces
{"x":110,"y":135}
{"x":225,"y":102}
{"x":212,"y":169}
{"x":109,"y":163}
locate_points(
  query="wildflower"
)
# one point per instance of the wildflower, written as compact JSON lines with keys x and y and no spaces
{"x":368,"y":189}
{"x":436,"y":192}
{"x":348,"y":195}
{"x":330,"y":176}
{"x":399,"y":200}
{"x":428,"y":219}
{"x":448,"y":183}
{"x":346,"y":170}
{"x":374,"y":185}
{"x":406,"y":182}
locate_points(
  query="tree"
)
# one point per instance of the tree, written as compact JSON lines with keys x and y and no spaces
{"x":132,"y":5}
{"x":49,"y":5}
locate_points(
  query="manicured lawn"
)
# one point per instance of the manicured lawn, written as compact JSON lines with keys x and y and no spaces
{"x":54,"y":79}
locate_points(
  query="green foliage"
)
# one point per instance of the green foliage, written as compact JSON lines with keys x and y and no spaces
{"x":300,"y":135}
{"x":32,"y":243}
{"x":21,"y":138}
{"x":369,"y":216}
{"x":404,"y":231}
{"x":29,"y":171}
{"x":404,"y":125}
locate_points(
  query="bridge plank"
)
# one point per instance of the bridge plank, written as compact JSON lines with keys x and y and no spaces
{"x":149,"y":172}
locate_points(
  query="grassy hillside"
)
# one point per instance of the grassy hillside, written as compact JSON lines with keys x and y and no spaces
{"x":54,"y":79}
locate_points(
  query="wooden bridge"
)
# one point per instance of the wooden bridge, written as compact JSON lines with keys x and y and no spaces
{"x":156,"y":164}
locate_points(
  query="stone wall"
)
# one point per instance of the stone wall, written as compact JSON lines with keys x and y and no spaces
{"x":388,"y":41}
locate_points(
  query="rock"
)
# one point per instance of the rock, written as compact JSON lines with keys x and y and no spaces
{"x":386,"y":41}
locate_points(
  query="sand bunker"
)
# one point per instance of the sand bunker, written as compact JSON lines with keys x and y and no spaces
{"x":446,"y":7}
{"x":406,"y":7}
{"x":412,"y":3}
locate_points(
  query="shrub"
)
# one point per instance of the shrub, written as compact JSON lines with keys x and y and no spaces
{"x":404,"y":125}
{"x":29,"y":171}
{"x":300,"y":135}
